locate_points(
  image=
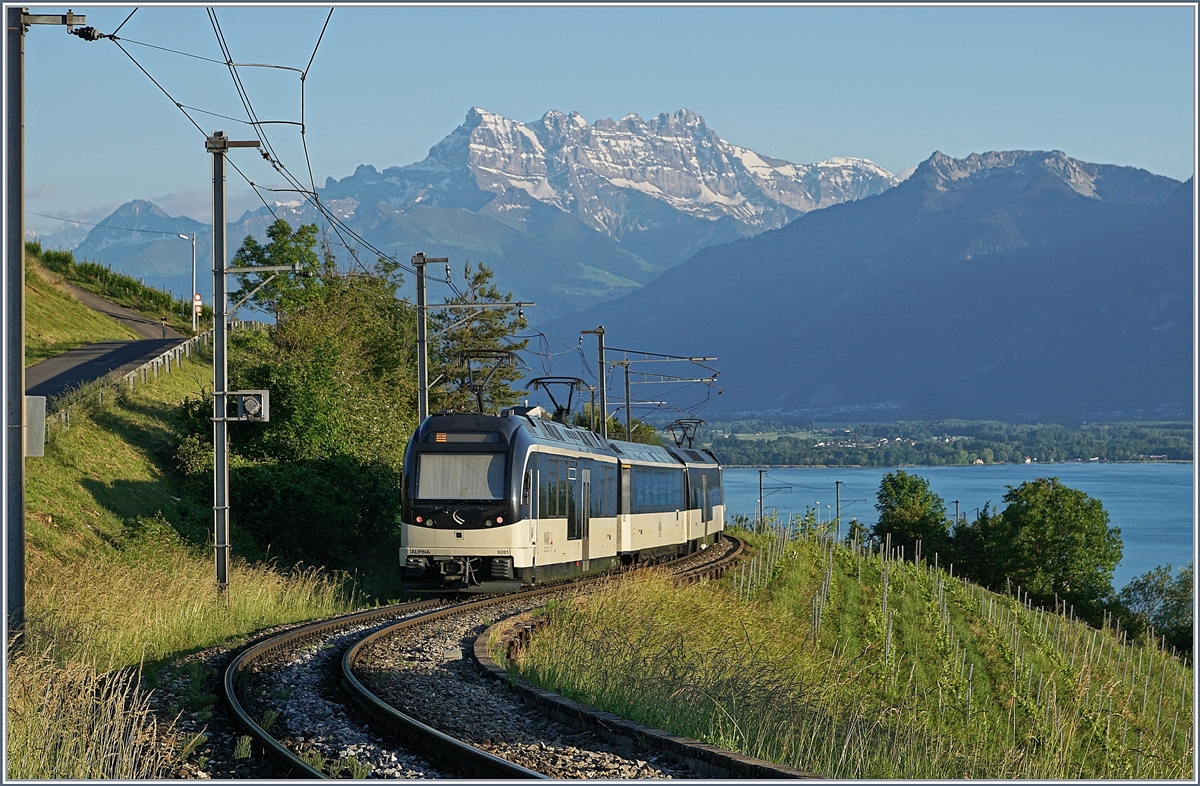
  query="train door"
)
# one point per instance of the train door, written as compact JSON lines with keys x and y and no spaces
{"x":705,"y":505}
{"x":530,"y":503}
{"x":623,"y":523}
{"x":585,"y":509}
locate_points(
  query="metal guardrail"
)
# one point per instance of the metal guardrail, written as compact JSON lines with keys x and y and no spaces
{"x":174,"y":357}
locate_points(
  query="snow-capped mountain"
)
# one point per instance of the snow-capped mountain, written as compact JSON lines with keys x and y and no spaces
{"x":567,"y":213}
{"x":605,"y":172}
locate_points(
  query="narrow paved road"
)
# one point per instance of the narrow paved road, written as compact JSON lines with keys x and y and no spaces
{"x":54,"y":376}
{"x":144,"y":326}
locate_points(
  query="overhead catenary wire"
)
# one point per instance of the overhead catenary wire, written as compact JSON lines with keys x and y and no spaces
{"x":303,"y":78}
{"x":343,"y":232}
{"x":102,"y":226}
{"x":192,"y":120}
{"x":335,"y":223}
{"x":131,"y":13}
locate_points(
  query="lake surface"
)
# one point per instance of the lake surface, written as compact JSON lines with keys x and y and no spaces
{"x":1151,"y":503}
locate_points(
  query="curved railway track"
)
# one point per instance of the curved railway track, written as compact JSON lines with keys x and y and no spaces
{"x":423,"y":750}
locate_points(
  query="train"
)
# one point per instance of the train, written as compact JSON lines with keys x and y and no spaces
{"x":520,"y":498}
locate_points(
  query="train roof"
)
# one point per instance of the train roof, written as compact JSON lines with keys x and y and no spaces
{"x":693,"y":456}
{"x":547,"y":432}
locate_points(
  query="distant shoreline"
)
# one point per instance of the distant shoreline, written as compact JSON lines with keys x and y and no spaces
{"x":903,"y":466}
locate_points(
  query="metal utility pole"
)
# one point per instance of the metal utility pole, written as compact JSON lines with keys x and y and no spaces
{"x":761,"y":472}
{"x":17,"y":21}
{"x":419,"y":263}
{"x":218,"y":145}
{"x":956,"y":513}
{"x":648,"y":357}
{"x":837,"y":496}
{"x":195,"y":294}
{"x":599,"y":331}
{"x":628,"y":406}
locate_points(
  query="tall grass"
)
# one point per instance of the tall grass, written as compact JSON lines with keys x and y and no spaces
{"x":73,"y":721}
{"x":163,"y":601}
{"x":851,"y":663}
{"x":112,"y":585}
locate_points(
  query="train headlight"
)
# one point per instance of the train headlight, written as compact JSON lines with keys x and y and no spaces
{"x":419,"y":519}
{"x":499,"y":519}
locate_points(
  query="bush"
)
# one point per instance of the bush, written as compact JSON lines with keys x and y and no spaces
{"x":321,"y":508}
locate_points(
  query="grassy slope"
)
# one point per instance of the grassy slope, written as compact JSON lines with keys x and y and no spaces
{"x":119,"y":568}
{"x":967,"y":684}
{"x":56,"y":322}
{"x":115,"y":548}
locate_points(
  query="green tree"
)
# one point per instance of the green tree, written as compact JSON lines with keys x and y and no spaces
{"x":909,"y":511}
{"x":980,"y":550}
{"x":459,"y":330}
{"x":320,"y":482}
{"x":1059,"y":543}
{"x":286,"y":246}
{"x":341,"y":369}
{"x":1158,"y":600}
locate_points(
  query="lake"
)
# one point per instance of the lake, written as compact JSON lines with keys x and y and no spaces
{"x":1151,"y":503}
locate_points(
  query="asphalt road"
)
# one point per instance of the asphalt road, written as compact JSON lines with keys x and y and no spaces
{"x":56,"y":375}
{"x":144,"y":326}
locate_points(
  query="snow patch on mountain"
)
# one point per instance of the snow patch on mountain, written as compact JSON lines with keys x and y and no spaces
{"x":592,"y":170}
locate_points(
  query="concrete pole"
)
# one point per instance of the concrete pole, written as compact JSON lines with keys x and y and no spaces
{"x":14,"y":320}
{"x":603,"y":384}
{"x":195,"y":316}
{"x":218,"y":144}
{"x":419,"y":263}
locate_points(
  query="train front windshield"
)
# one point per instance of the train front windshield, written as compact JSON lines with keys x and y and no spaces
{"x":461,"y":476}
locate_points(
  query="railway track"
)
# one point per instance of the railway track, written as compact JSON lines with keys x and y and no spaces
{"x":397,"y":691}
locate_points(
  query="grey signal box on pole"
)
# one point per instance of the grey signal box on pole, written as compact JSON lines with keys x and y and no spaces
{"x":254,"y":405}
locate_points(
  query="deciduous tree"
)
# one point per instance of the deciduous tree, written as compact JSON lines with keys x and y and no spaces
{"x":1161,"y":601}
{"x":1059,"y":543}
{"x":909,"y":511}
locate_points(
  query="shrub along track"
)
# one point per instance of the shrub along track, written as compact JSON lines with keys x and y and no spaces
{"x":424,"y":709}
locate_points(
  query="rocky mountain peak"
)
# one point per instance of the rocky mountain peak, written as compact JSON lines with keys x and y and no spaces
{"x":138,"y":208}
{"x":612,"y":174}
{"x":1041,"y":169}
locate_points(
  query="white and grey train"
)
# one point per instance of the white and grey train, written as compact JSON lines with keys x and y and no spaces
{"x":517,"y":497}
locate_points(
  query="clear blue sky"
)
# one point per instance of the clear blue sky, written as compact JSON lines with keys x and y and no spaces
{"x":1107,"y":85}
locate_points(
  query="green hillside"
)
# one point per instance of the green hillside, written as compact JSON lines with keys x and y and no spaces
{"x":119,"y":573}
{"x":843,"y":663}
{"x":56,"y":322}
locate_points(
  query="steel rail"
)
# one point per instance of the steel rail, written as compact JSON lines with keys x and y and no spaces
{"x":240,"y":664}
{"x":472,"y":761}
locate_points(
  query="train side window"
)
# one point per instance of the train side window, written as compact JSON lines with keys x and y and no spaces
{"x":625,"y":491}
{"x":570,"y":511}
{"x":613,"y":489}
{"x":549,"y":490}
